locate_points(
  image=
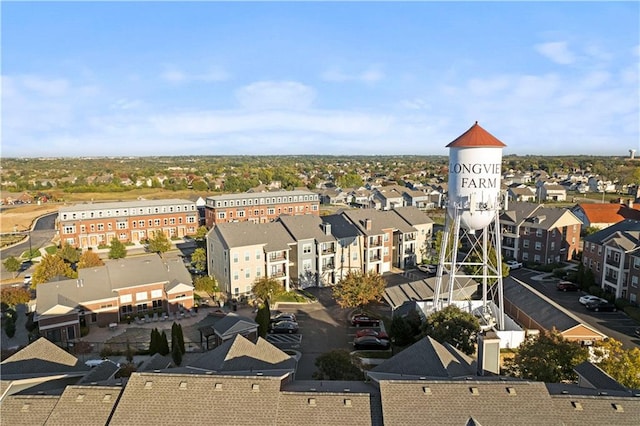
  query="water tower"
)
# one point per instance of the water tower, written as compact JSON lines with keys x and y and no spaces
{"x":471,"y":246}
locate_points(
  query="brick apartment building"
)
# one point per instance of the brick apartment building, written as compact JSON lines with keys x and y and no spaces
{"x":259,"y":207}
{"x":93,"y":224}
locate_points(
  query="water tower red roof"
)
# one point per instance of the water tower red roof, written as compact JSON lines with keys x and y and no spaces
{"x":476,"y":136}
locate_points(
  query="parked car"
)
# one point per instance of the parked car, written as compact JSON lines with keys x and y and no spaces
{"x":363,"y":320}
{"x":372,"y":332}
{"x":284,"y":327}
{"x":428,"y":269}
{"x":588,"y":298}
{"x":567,"y":286}
{"x":27,"y":280}
{"x":371,"y":342}
{"x":284,"y":316}
{"x":601,"y":306}
{"x":514,"y":264}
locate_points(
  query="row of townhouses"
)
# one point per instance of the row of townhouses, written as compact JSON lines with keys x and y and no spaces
{"x":309,"y":250}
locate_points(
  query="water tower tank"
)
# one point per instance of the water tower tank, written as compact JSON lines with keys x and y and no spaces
{"x":475,"y":165}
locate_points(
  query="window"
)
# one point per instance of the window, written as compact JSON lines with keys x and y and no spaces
{"x":256,"y":213}
{"x":271,"y":211}
{"x":172,"y":221}
{"x":70,"y":229}
{"x":258,"y":254}
{"x":121,"y":225}
{"x":553,"y":246}
{"x":235,"y":275}
{"x":258,"y":272}
{"x":538,"y":232}
{"x":636,"y":262}
{"x":222,"y":215}
{"x":525,"y":256}
{"x":386,"y":237}
{"x":235,"y":257}
{"x":525,"y":243}
{"x":156,"y":294}
{"x":156,"y":222}
{"x":247,"y":273}
{"x":240,"y":213}
{"x":141,"y":223}
{"x":92,"y":227}
{"x":306,"y":264}
{"x":527,"y":230}
{"x":109,"y":226}
{"x":536,"y":258}
{"x":599,"y":250}
{"x":634,"y":281}
{"x":306,"y":248}
{"x":246,"y":256}
{"x":126,"y":298}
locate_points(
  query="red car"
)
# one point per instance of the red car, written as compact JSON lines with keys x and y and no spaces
{"x":372,"y":332}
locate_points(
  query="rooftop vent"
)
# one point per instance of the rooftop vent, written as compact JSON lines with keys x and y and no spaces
{"x":347,"y":402}
{"x":148,"y":384}
{"x":25,"y":407}
{"x":426,"y":390}
{"x":80,"y":397}
{"x":255,"y":387}
{"x":106,"y":398}
{"x":511,"y":391}
{"x":183,"y":385}
{"x":474,"y":390}
{"x":217,"y":386}
{"x":617,"y":407}
{"x":576,"y":405}
{"x":311,"y":402}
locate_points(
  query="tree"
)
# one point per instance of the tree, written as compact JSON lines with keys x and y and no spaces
{"x":263,"y":317}
{"x":51,"y":266}
{"x":163,"y":345}
{"x":590,"y":230}
{"x":266,"y":288}
{"x":405,"y":329}
{"x":358,"y":289}
{"x":623,"y":365}
{"x":154,"y":344}
{"x":13,"y":296}
{"x":454,"y":326}
{"x":176,"y":355}
{"x":201,"y":233}
{"x":12,"y":265}
{"x":177,"y":338}
{"x":199,"y":259}
{"x":117,"y":250}
{"x":206,"y":283}
{"x":159,"y":243}
{"x":89,"y":259}
{"x":337,"y":364}
{"x":69,"y":254}
{"x":546,"y":358}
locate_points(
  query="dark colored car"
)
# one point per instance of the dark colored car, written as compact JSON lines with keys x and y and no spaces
{"x":567,"y":286}
{"x":371,"y":343}
{"x":602,"y":306}
{"x":372,"y":332}
{"x":363,"y":320}
{"x":284,"y":327}
{"x":284,"y":316}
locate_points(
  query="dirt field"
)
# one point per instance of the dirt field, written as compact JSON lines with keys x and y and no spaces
{"x":23,"y":216}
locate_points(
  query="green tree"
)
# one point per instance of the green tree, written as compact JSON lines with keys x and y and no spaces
{"x":454,"y":326}
{"x":206,"y":283}
{"x":266,"y":288}
{"x":51,"y":266}
{"x":154,"y":343}
{"x":546,"y":358}
{"x":177,"y":338}
{"x":199,"y":259}
{"x":621,"y":364}
{"x":176,"y":355}
{"x":69,"y":254}
{"x":337,"y":364}
{"x":358,"y":289}
{"x":89,"y":259}
{"x":163,"y":345}
{"x":263,"y":317}
{"x":350,"y":180}
{"x":405,"y":329}
{"x":117,"y":250}
{"x":201,"y":233}
{"x":12,"y":265}
{"x":159,"y":243}
{"x":13,"y":296}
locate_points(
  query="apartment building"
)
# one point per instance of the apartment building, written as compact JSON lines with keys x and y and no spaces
{"x":92,"y":224}
{"x":315,"y":251}
{"x":238,"y":253}
{"x":613,"y":256}
{"x":539,"y":234}
{"x":109,"y":294}
{"x":259,"y":207}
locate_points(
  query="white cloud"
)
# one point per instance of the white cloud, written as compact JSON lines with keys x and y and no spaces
{"x":45,"y":86}
{"x":557,"y":51}
{"x":288,"y":95}
{"x":371,"y":75}
{"x":174,"y":75}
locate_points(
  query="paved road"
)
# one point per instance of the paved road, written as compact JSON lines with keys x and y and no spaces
{"x":614,"y":324}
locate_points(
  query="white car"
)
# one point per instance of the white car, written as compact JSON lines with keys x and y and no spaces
{"x":27,"y":280}
{"x":589,"y":298}
{"x":513,"y":264}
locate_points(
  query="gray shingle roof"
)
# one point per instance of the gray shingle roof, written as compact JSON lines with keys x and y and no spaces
{"x":380,"y":221}
{"x":426,"y":358}
{"x":123,"y":205}
{"x":240,"y":234}
{"x":84,"y":405}
{"x":457,"y":403}
{"x":240,"y":354}
{"x":41,"y":358}
{"x":412,"y":215}
{"x":233,"y":324}
{"x":625,"y":225}
{"x":306,"y":227}
{"x":341,"y":227}
{"x":596,"y":377}
{"x":572,"y":410}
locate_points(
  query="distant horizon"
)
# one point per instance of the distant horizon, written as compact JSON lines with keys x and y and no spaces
{"x":168,"y":79}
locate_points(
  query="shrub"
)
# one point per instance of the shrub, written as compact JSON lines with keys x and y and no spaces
{"x":84,"y":330}
{"x":10,"y":327}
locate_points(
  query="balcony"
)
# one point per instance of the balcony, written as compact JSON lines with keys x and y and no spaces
{"x":375,"y":242}
{"x":328,"y":250}
{"x":612,"y":262}
{"x":328,"y":266}
{"x":277,"y":257}
{"x":409,"y":237}
{"x":277,"y":274}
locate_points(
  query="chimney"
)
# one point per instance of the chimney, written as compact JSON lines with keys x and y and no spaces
{"x":630,"y":203}
{"x":326,"y":228}
{"x":367,"y":224}
{"x":488,"y":353}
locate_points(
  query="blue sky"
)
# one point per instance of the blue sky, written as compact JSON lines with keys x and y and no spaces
{"x":222,"y":78}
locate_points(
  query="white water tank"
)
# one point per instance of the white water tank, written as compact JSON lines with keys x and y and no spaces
{"x":475,"y":169}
